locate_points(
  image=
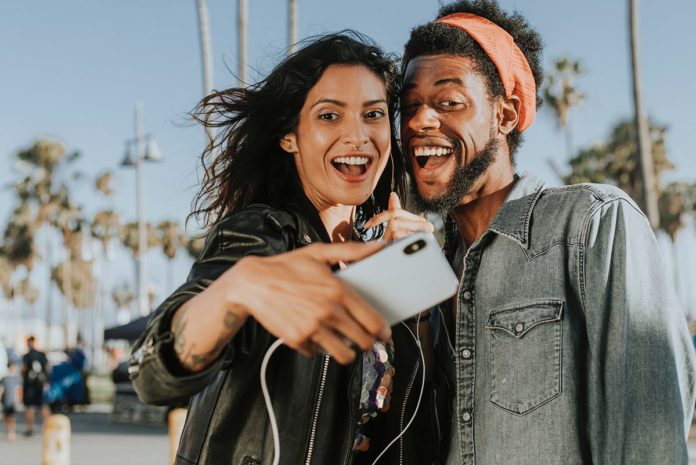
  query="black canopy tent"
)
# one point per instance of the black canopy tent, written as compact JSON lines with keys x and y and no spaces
{"x":130,"y":331}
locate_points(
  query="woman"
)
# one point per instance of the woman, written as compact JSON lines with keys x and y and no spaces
{"x":304,"y":159}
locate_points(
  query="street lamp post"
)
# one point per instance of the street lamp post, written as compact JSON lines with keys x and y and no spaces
{"x":151,"y":153}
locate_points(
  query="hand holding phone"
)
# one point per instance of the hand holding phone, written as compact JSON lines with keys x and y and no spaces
{"x":403,"y":279}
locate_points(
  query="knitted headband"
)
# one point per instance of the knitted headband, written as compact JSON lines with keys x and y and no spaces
{"x":511,"y":63}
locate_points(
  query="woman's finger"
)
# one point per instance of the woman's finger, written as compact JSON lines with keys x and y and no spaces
{"x":391,"y":215}
{"x":334,"y":345}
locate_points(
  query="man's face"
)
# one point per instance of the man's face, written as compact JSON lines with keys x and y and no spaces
{"x":448,"y":129}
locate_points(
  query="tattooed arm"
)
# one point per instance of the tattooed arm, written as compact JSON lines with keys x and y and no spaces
{"x":294,"y":296}
{"x":202,"y":327}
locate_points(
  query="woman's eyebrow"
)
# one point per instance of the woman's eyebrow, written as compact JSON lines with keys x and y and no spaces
{"x":374,"y":102}
{"x":329,"y":100}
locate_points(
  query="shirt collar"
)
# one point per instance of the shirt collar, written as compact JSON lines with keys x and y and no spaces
{"x":513,"y":218}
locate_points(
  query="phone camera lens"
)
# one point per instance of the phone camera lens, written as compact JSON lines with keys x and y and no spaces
{"x":414,"y":247}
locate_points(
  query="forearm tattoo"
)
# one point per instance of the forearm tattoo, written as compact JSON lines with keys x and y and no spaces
{"x":189,"y":355}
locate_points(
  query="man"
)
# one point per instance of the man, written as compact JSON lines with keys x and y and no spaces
{"x":34,"y":375}
{"x":569,"y":346}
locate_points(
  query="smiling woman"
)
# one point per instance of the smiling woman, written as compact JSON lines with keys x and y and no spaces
{"x":305,"y":156}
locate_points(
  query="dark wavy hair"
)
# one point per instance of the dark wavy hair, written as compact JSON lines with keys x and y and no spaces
{"x":245,"y":164}
{"x":438,"y":38}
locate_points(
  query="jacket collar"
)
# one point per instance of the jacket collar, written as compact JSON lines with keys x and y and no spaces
{"x":309,"y":227}
{"x":513,"y":218}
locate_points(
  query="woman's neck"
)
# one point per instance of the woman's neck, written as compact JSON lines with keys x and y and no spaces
{"x":338,"y":221}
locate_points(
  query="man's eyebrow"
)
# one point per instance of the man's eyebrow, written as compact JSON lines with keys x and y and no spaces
{"x":452,"y":80}
{"x":439,"y":83}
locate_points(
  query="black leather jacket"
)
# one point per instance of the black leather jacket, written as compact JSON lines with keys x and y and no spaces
{"x":315,"y":399}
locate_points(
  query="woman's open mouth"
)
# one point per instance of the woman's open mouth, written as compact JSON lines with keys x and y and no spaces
{"x":352,"y":168}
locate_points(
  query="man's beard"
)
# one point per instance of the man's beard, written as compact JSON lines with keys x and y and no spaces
{"x":462,"y":181}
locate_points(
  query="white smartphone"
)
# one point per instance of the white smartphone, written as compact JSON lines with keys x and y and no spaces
{"x":403,"y":279}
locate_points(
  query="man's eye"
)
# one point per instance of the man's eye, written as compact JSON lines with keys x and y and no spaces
{"x":328,"y":116}
{"x":409,"y":107}
{"x":450,"y":103}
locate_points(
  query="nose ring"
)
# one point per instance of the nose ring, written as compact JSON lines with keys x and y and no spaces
{"x":357,"y":147}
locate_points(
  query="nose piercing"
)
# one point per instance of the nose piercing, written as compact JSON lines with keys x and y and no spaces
{"x":357,"y":147}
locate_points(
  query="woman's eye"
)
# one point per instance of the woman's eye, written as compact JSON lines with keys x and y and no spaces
{"x":328,"y":116}
{"x":375,"y":114}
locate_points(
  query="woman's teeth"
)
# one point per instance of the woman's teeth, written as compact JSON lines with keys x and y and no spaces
{"x":352,"y":160}
{"x":431,"y":151}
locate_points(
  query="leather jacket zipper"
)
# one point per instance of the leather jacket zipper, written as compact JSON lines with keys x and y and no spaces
{"x":403,"y":410}
{"x":315,"y":417}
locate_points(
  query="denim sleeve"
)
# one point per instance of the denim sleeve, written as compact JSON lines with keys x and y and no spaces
{"x":154,"y":368}
{"x":640,"y":380}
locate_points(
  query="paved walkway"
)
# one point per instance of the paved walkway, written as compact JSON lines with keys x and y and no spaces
{"x":95,"y":441}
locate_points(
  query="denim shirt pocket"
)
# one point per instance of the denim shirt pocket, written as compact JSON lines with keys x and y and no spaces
{"x":525,"y":354}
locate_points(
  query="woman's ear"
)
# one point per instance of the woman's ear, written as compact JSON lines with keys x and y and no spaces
{"x":289,"y":143}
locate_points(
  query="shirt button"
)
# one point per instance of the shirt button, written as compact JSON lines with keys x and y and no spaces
{"x":466,"y":417}
{"x":466,"y":354}
{"x":519,"y":327}
{"x":466,"y":295}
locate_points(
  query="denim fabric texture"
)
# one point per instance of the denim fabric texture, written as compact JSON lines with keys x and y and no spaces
{"x":570,"y":345}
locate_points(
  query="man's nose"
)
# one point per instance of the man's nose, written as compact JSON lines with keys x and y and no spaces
{"x":422,"y":119}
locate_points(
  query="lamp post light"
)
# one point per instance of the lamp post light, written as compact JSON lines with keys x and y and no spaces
{"x":134,"y":157}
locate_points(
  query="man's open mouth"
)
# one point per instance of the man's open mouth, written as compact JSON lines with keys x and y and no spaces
{"x":431,"y":156}
{"x":351,"y":167}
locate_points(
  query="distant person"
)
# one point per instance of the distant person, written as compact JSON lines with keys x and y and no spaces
{"x":10,"y":384}
{"x":34,"y":375}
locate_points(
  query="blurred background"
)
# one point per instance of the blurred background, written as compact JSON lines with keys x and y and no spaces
{"x":100,"y":159}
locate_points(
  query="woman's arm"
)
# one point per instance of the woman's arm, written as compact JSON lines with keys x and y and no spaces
{"x":294,"y":296}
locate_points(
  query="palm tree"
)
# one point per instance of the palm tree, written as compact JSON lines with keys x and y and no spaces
{"x":562,"y":96}
{"x":292,"y":25}
{"x":206,"y":60}
{"x":615,"y":161}
{"x":674,"y":204}
{"x":170,"y":239}
{"x":649,"y":188}
{"x":242,"y":41}
{"x":128,"y":235}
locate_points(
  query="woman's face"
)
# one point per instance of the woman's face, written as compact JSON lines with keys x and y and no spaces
{"x":343,"y":140}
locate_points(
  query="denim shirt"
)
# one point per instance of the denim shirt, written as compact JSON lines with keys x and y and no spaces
{"x":570,"y":345}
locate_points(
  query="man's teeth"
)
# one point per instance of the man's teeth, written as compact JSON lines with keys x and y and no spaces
{"x":431,"y":151}
{"x":352,"y":160}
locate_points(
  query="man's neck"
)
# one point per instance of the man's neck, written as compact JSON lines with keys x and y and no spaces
{"x":477,"y":210}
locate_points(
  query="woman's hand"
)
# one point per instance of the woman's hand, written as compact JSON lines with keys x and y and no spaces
{"x":400,"y":223}
{"x":296,"y":297}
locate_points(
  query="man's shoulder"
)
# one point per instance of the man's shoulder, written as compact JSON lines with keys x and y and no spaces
{"x":590,"y":193}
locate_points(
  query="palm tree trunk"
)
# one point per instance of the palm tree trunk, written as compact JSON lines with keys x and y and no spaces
{"x":644,"y":146}
{"x":292,"y":25}
{"x":206,"y":60}
{"x":568,"y":142}
{"x":242,"y":24}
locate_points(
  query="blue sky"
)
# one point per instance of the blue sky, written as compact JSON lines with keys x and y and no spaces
{"x":74,"y":70}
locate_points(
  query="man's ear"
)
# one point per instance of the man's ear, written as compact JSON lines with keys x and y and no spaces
{"x":508,"y":113}
{"x":289,"y":143}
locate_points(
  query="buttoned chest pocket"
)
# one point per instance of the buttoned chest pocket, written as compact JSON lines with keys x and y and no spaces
{"x":525,"y":354}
